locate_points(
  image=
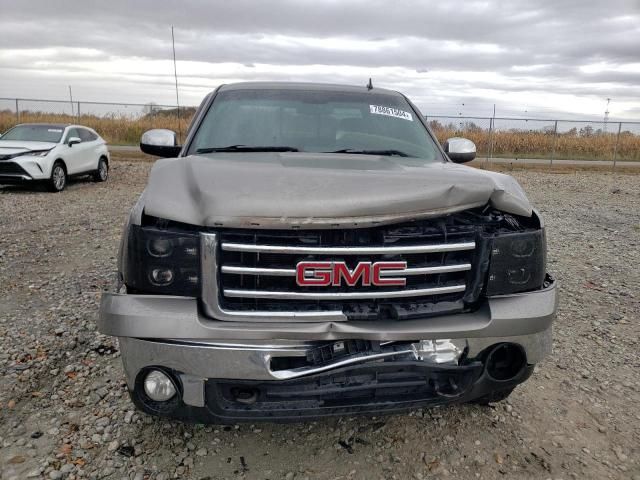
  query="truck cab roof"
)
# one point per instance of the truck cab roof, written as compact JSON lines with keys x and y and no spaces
{"x":308,"y":86}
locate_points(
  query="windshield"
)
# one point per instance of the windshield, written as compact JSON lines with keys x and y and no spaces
{"x":34,"y":133}
{"x":313,"y":121}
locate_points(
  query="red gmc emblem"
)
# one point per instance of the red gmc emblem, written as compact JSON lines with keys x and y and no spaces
{"x":323,"y":274}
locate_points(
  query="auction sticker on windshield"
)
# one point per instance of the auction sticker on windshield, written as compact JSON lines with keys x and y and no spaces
{"x":390,"y":112}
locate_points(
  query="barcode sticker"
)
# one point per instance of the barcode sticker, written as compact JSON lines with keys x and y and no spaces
{"x":390,"y":112}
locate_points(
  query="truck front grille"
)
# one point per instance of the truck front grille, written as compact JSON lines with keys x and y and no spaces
{"x":255,"y":271}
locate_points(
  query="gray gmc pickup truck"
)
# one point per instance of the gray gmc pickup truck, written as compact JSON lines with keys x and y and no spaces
{"x":312,"y":250}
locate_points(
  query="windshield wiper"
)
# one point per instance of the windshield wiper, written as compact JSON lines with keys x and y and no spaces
{"x":248,"y":148}
{"x":397,"y":153}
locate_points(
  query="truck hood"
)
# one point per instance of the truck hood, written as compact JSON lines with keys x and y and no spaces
{"x":311,"y":190}
{"x":11,"y":147}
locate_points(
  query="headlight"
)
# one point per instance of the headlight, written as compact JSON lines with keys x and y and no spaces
{"x":163,"y":262}
{"x":39,"y":153}
{"x":518,"y":263}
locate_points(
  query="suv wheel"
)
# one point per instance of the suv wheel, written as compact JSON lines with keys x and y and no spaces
{"x":102,"y":173}
{"x":58,"y":180}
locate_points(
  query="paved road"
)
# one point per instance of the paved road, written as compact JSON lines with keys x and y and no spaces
{"x":530,"y":161}
{"x":544,"y":161}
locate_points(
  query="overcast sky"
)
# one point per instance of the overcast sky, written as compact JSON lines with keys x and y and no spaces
{"x":531,"y":58}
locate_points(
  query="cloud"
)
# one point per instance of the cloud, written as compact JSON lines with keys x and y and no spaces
{"x":439,"y":53}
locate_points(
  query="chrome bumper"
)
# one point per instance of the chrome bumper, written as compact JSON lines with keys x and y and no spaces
{"x":179,"y":318}
{"x":170,"y":332}
{"x":252,"y":361}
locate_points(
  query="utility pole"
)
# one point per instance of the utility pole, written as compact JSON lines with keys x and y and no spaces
{"x":175,"y":74}
{"x":492,"y":126}
{"x":606,"y":116}
{"x":71,"y":100}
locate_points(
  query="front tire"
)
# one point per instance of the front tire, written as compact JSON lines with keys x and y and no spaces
{"x":102,"y":173}
{"x":58,"y":180}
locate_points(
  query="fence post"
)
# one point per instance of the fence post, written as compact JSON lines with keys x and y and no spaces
{"x":615,"y":148}
{"x":555,"y":139}
{"x":490,"y":156}
{"x":17,"y":112}
{"x":78,"y":112}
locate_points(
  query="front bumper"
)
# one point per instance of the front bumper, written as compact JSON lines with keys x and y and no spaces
{"x":12,"y":173}
{"x":179,"y":318}
{"x":15,"y":179}
{"x":369,"y":388}
{"x":209,"y":357}
{"x":22,"y":170}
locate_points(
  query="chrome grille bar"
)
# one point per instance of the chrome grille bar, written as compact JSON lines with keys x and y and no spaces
{"x":281,"y":295}
{"x":211,"y":295}
{"x":274,"y":272}
{"x":291,"y":272}
{"x":263,"y":298}
{"x":286,"y":249}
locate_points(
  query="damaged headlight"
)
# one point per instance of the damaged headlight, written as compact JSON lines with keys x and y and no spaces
{"x":518,"y":262}
{"x":163,"y":262}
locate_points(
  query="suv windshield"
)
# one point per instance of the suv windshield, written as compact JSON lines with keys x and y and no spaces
{"x":34,"y":133}
{"x":313,"y":121}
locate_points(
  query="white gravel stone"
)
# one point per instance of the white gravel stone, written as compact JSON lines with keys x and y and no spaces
{"x":52,"y":273}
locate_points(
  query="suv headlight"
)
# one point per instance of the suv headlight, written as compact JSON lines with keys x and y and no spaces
{"x":163,"y":262}
{"x":35,"y":153}
{"x":518,"y":262}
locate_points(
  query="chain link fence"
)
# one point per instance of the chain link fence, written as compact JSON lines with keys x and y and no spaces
{"x":526,"y":138}
{"x":509,"y":138}
{"x":118,"y":123}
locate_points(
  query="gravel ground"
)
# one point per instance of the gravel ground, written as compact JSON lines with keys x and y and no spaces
{"x":65,"y":412}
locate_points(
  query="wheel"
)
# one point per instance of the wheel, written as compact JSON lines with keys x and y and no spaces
{"x":58,"y":179}
{"x":102,"y":173}
{"x":493,"y":397}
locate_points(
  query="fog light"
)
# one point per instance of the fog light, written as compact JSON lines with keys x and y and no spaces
{"x":505,"y":361}
{"x":161,"y":276}
{"x":158,"y":386}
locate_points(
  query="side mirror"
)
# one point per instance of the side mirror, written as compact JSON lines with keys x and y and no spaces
{"x":160,"y":142}
{"x":460,"y":150}
{"x":73,"y":140}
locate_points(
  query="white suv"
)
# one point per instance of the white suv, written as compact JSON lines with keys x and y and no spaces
{"x":49,"y":152}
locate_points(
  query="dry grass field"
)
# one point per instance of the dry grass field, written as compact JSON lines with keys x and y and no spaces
{"x":540,"y":144}
{"x":116,"y":129}
{"x":119,"y":129}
